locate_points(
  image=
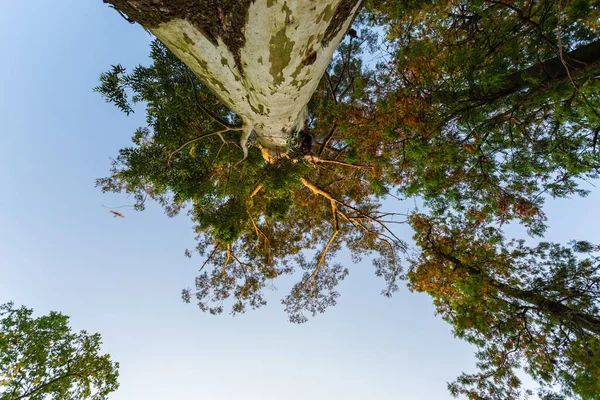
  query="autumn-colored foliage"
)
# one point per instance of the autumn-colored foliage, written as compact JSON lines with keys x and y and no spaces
{"x":535,"y":308}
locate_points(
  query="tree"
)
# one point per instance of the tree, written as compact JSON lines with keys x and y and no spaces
{"x":494,"y":106}
{"x":523,"y":127}
{"x":481,"y":108}
{"x":41,"y":358}
{"x":255,"y":220}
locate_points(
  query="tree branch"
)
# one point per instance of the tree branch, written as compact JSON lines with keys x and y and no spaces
{"x":331,"y":90}
{"x":30,"y":393}
{"x":202,"y":137}
{"x":316,"y":190}
{"x":256,"y":190}
{"x":209,"y":257}
{"x":336,"y":229}
{"x":327,"y":139}
{"x":345,"y":64}
{"x":206,"y":110}
{"x":318,"y":160}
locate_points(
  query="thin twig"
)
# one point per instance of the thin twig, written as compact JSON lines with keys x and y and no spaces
{"x":209,"y":257}
{"x":331,"y":87}
{"x":346,"y":62}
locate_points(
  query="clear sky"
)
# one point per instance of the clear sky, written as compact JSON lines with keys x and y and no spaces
{"x":61,"y":250}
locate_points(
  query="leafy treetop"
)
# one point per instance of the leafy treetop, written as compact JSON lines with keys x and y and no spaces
{"x":41,"y":358}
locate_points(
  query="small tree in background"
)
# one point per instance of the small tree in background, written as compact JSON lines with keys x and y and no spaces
{"x":41,"y":358}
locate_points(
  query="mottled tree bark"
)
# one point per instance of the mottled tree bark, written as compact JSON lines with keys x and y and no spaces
{"x":262,"y":58}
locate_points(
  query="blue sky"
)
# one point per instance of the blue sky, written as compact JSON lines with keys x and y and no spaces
{"x":61,"y":250}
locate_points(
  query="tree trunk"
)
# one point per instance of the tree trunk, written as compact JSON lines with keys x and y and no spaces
{"x":548,"y":307}
{"x":262,"y":58}
{"x":580,"y":62}
{"x":583,"y":60}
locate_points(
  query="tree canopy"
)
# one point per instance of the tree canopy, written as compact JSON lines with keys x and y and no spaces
{"x":41,"y":358}
{"x":481,"y":109}
{"x":515,"y":303}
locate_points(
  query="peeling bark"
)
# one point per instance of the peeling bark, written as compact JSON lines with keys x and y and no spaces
{"x":262,"y":58}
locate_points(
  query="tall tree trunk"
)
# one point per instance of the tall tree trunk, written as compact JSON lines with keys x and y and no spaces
{"x":262,"y":58}
{"x":581,"y":62}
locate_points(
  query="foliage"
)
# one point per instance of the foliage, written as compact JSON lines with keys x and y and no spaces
{"x":485,"y":118}
{"x":41,"y":358}
{"x":482,"y":109}
{"x":255,"y":220}
{"x":535,"y":308}
{"x":485,"y":109}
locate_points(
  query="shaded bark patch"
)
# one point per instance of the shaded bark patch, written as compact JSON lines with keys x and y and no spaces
{"x":342,"y":13}
{"x":310,"y":58}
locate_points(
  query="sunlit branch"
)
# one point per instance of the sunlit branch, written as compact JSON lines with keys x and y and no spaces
{"x":226,"y":260}
{"x":336,"y":229}
{"x":242,"y":264}
{"x":256,"y":190}
{"x":258,"y":231}
{"x":328,"y":196}
{"x":318,"y":160}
